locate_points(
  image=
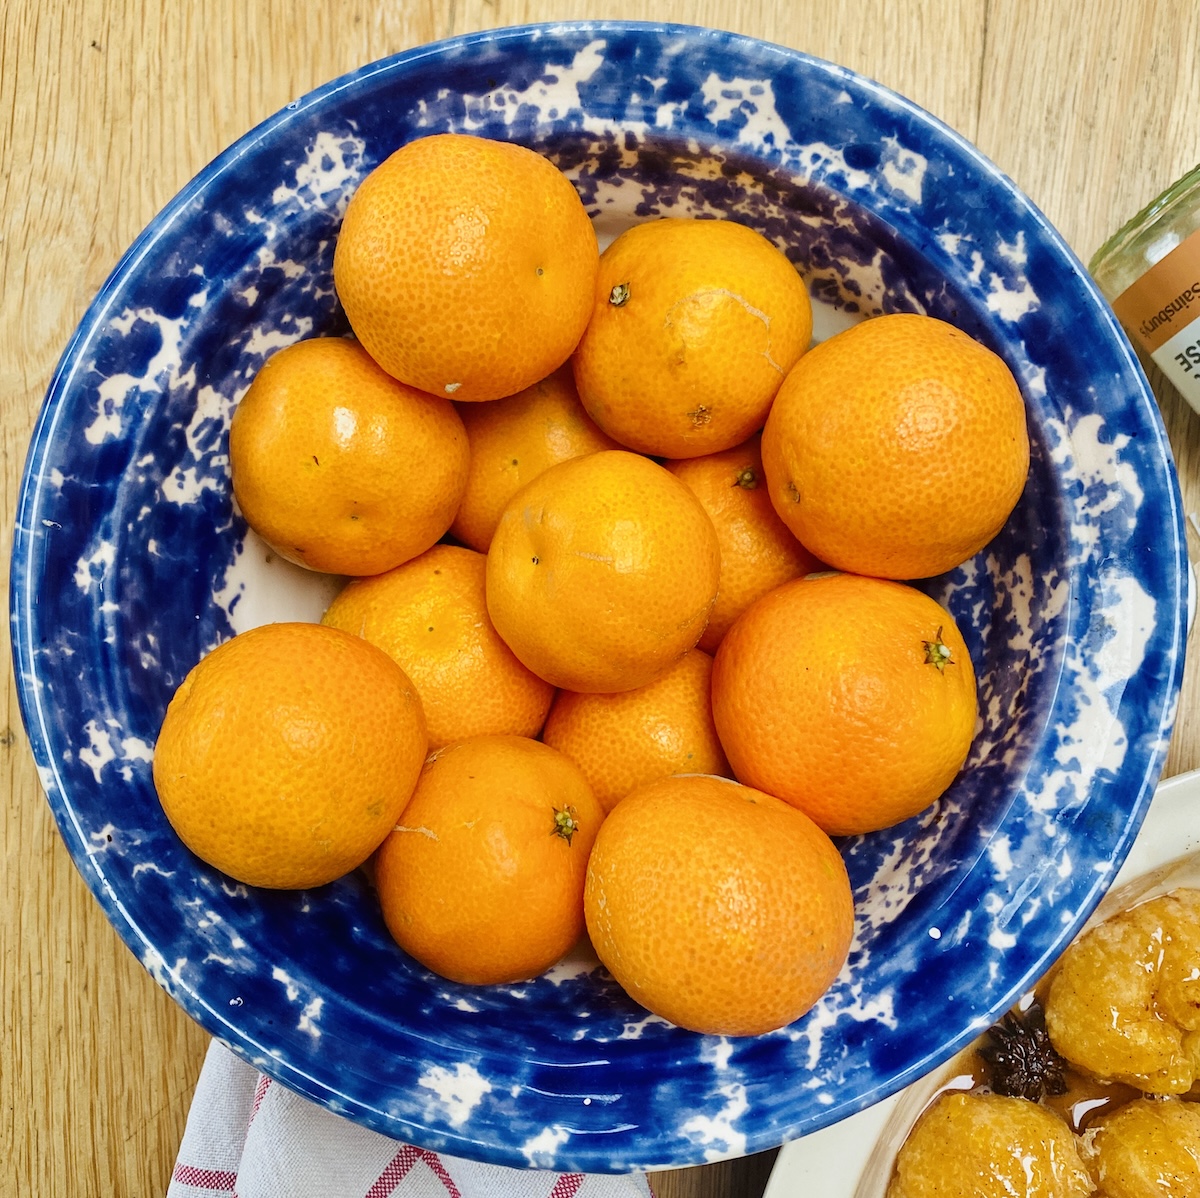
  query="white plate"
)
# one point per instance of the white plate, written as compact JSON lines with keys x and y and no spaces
{"x":832,"y":1162}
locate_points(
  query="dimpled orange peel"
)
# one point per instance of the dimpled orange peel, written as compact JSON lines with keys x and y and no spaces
{"x":430,"y":615}
{"x":287,"y":754}
{"x":466,"y":266}
{"x":716,"y":906}
{"x":696,"y":324}
{"x":897,"y":448}
{"x":602,"y":572}
{"x":852,"y":698}
{"x":758,"y":551}
{"x":482,"y":879}
{"x":623,"y":740}
{"x":339,"y":467}
{"x":512,"y":441}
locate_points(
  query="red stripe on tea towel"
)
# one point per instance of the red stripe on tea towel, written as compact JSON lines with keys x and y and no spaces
{"x":394,"y":1172}
{"x":260,"y":1092}
{"x":439,"y":1171}
{"x":567,"y":1185}
{"x":398,"y":1169}
{"x":204,"y":1179}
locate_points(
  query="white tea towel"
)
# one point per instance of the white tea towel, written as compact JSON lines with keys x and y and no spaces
{"x":249,"y":1137}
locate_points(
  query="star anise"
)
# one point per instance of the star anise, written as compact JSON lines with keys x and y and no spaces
{"x":1021,"y":1059}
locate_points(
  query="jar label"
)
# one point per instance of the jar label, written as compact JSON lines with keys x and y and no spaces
{"x":1179,"y":360}
{"x":1161,"y":311}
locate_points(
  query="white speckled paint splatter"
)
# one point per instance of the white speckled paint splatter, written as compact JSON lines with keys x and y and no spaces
{"x":718,"y":1133}
{"x":458,"y":1092}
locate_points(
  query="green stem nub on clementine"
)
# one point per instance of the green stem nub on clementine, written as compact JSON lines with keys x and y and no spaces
{"x":566,"y":823}
{"x":937,"y":653}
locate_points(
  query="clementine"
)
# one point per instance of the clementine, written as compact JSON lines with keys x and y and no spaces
{"x":339,"y":467}
{"x":466,"y":266}
{"x":512,"y":441}
{"x":695,"y":325}
{"x":602,"y":572}
{"x":758,"y":551}
{"x":897,"y":448}
{"x":623,"y":740}
{"x":852,"y":698}
{"x":482,"y":880}
{"x":430,"y":615}
{"x":287,"y":754}
{"x":716,"y":906}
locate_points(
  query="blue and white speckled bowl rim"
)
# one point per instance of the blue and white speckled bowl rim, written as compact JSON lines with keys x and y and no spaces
{"x":124,"y":920}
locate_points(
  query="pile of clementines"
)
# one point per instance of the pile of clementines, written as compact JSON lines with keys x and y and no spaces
{"x":615,"y":502}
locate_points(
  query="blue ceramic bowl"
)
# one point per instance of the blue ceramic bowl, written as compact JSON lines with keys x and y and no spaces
{"x":129,"y":562}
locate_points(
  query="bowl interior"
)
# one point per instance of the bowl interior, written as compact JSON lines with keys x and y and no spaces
{"x":130,"y":562}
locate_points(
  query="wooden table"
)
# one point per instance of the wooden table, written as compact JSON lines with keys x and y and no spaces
{"x":107,"y":107}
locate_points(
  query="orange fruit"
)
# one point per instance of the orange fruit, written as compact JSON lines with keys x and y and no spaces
{"x":602,"y":572}
{"x":482,"y":881}
{"x":695,"y":325}
{"x":758,"y":552}
{"x":339,"y":467}
{"x":623,"y":740}
{"x":512,"y":441}
{"x":852,"y":698}
{"x":287,"y":754}
{"x":466,"y":266}
{"x":430,"y":616}
{"x":716,"y":906}
{"x":897,"y":448}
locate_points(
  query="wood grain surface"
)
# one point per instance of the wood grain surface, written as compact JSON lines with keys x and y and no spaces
{"x":107,"y":107}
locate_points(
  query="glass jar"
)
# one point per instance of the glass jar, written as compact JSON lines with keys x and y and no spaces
{"x":1149,"y":270}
